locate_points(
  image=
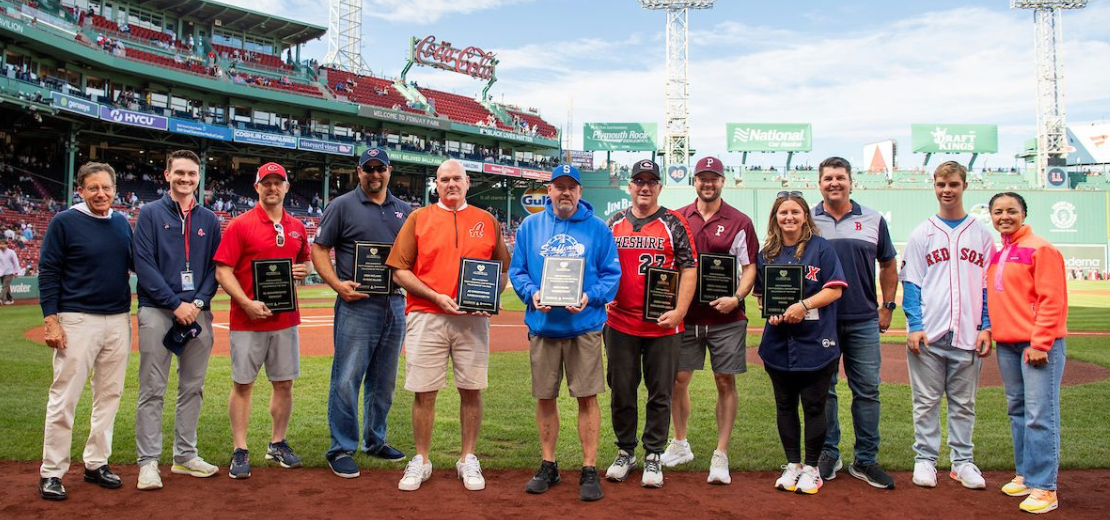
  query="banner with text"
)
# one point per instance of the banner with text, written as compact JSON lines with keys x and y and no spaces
{"x":197,"y":129}
{"x":130,"y":118}
{"x":316,"y":145}
{"x":937,"y":138}
{"x":265,"y":139}
{"x":620,"y":137}
{"x":769,"y":137}
{"x":76,"y":104}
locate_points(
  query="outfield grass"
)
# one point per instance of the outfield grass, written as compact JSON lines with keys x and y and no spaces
{"x":509,"y":438}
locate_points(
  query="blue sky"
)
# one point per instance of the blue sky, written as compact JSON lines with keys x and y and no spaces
{"x":859,"y":70}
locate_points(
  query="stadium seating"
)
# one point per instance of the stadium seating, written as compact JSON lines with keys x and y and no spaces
{"x":136,"y":33}
{"x":367,"y":90}
{"x":265,"y":60}
{"x":545,"y":129}
{"x":165,"y":61}
{"x":459,"y":108}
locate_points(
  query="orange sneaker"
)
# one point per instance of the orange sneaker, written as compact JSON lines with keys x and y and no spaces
{"x":1040,"y":501}
{"x":1016,"y":487}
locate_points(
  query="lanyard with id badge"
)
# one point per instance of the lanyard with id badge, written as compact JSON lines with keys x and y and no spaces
{"x":186,"y":230}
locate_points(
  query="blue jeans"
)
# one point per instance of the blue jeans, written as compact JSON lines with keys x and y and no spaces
{"x":1033,"y":404}
{"x":859,"y":347}
{"x":368,"y":336}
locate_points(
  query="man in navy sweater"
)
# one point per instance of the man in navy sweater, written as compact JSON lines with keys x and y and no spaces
{"x":86,"y":303}
{"x":175,"y":240}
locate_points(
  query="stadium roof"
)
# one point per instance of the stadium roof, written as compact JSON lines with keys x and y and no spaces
{"x":288,"y":31}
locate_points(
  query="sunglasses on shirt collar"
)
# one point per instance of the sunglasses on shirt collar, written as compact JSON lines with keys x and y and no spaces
{"x":280,"y":234}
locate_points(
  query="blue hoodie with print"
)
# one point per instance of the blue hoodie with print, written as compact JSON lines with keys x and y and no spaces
{"x":544,"y":234}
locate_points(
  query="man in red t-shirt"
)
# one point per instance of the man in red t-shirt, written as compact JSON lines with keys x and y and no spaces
{"x":647,"y":235}
{"x":260,"y":336}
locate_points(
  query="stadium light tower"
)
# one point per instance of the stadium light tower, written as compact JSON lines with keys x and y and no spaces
{"x":1052,"y":138}
{"x":676,"y":129}
{"x":345,"y":36}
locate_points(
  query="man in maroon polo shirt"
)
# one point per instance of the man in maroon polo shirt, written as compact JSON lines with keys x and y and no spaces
{"x":719,"y":326}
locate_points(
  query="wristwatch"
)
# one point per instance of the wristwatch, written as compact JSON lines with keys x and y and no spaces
{"x":890,"y":305}
{"x":199,"y":303}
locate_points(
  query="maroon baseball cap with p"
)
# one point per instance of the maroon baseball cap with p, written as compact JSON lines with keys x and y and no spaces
{"x":270,"y":168}
{"x":710,"y":164}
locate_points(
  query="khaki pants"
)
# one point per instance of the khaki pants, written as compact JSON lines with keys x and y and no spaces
{"x":98,"y":344}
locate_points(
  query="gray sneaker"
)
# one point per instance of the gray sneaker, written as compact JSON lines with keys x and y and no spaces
{"x":281,"y":453}
{"x":828,"y":466}
{"x":621,"y":467}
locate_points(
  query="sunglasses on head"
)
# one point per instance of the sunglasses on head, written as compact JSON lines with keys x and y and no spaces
{"x":280,"y":234}
{"x":381,"y":168}
{"x":789,"y":193}
{"x":640,"y":181}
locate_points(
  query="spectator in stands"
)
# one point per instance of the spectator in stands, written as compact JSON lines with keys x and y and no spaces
{"x":9,"y":234}
{"x":86,"y":302}
{"x":9,"y":268}
{"x":29,"y":232}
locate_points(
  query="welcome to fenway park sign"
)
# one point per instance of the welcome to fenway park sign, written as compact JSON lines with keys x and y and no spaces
{"x":471,"y":61}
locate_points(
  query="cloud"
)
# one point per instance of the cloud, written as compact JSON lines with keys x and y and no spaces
{"x":422,"y":12}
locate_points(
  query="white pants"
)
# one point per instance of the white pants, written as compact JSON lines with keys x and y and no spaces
{"x":94,"y":343}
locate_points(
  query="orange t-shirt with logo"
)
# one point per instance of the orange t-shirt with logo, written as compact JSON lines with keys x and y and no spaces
{"x":433,"y":242}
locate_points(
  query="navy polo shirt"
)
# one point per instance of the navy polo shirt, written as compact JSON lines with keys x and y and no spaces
{"x":860,"y":238}
{"x":354,"y":217}
{"x":812,"y":343}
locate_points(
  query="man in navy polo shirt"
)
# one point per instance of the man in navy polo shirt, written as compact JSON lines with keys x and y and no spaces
{"x":369,"y":329}
{"x":860,"y":236}
{"x":720,"y":326}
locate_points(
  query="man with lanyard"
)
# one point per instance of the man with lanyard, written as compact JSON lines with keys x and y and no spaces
{"x":647,"y":235}
{"x":719,"y":326}
{"x":174,"y":242}
{"x":569,"y":336}
{"x":860,"y":237}
{"x":368,"y":328}
{"x":260,"y":336}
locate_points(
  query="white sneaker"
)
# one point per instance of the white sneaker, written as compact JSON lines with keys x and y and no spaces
{"x":653,"y":471}
{"x":809,"y":481}
{"x":789,"y":479}
{"x":969,"y":475}
{"x":415,"y":474}
{"x":678,"y":452}
{"x":196,"y":467}
{"x":470,"y":471}
{"x":718,"y":469}
{"x":149,"y":478}
{"x":925,"y":474}
{"x":621,"y":466}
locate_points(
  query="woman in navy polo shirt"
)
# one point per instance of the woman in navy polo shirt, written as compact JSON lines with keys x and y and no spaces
{"x":799,"y":347}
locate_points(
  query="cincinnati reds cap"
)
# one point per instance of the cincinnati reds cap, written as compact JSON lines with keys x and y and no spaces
{"x":710,"y":164}
{"x":373,"y":154}
{"x":270,"y":168}
{"x":648,"y":166}
{"x":566,"y":170}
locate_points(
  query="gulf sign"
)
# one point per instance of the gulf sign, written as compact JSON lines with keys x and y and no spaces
{"x":534,"y":199}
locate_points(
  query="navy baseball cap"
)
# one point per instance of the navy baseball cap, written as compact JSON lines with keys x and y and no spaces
{"x":710,"y":164}
{"x":566,"y":170}
{"x":179,"y":335}
{"x":648,"y":166}
{"x":373,"y":154}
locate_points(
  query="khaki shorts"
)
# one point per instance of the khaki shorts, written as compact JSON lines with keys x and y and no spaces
{"x":726,"y":343}
{"x":580,"y":355}
{"x":279,"y":350}
{"x":431,"y":339}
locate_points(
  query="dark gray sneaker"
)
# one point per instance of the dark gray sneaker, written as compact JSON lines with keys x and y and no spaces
{"x":828,"y":466}
{"x":283,"y":454}
{"x":240,"y":466}
{"x":547,"y":476}
{"x":873,"y":474}
{"x":589,"y":486}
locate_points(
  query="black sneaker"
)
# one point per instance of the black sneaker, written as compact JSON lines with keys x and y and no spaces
{"x":873,"y":474}
{"x":547,"y":476}
{"x":344,"y":466}
{"x":589,"y":486}
{"x":240,"y":466}
{"x":281,"y":452}
{"x":52,"y":489}
{"x":828,"y":466}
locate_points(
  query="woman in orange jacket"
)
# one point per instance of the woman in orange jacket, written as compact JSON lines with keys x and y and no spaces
{"x":1028,"y":304}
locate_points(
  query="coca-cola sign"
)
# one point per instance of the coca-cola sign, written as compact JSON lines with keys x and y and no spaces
{"x":471,"y":61}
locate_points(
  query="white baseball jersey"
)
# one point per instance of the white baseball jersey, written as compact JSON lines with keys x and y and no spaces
{"x":950,"y":266}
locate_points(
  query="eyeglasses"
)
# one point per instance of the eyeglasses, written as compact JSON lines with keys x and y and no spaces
{"x":280,"y":234}
{"x":381,"y":168}
{"x":645,"y":182}
{"x":788,"y":193}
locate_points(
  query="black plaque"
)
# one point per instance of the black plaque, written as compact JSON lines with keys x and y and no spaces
{"x":273,"y":284}
{"x":479,"y":285}
{"x":782,"y":287}
{"x":660,"y":292}
{"x":716,"y":277}
{"x":370,"y":271}
{"x":561,"y":282}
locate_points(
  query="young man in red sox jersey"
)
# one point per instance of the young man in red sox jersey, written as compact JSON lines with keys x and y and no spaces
{"x":647,"y":235}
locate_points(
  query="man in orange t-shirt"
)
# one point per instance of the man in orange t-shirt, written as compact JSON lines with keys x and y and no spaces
{"x":425,"y":259}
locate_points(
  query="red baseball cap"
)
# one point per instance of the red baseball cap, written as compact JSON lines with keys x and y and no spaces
{"x":710,"y":164}
{"x":270,"y":168}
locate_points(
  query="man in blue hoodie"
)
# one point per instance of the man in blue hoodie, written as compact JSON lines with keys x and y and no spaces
{"x":567,"y":337}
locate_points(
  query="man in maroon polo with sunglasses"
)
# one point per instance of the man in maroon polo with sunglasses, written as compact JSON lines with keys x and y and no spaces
{"x":260,"y":336}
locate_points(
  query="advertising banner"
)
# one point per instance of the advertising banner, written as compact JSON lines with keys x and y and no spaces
{"x":769,"y":137}
{"x":265,"y":139}
{"x":76,"y":105}
{"x":580,"y":159}
{"x":130,"y":118}
{"x":620,"y":137}
{"x":1081,"y":260}
{"x":536,"y":174}
{"x":497,"y":169}
{"x":316,"y":145}
{"x":407,"y":118}
{"x":415,"y":158}
{"x":1089,"y":144}
{"x":879,"y":157}
{"x":472,"y":166}
{"x":939,"y":138}
{"x":197,"y":129}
